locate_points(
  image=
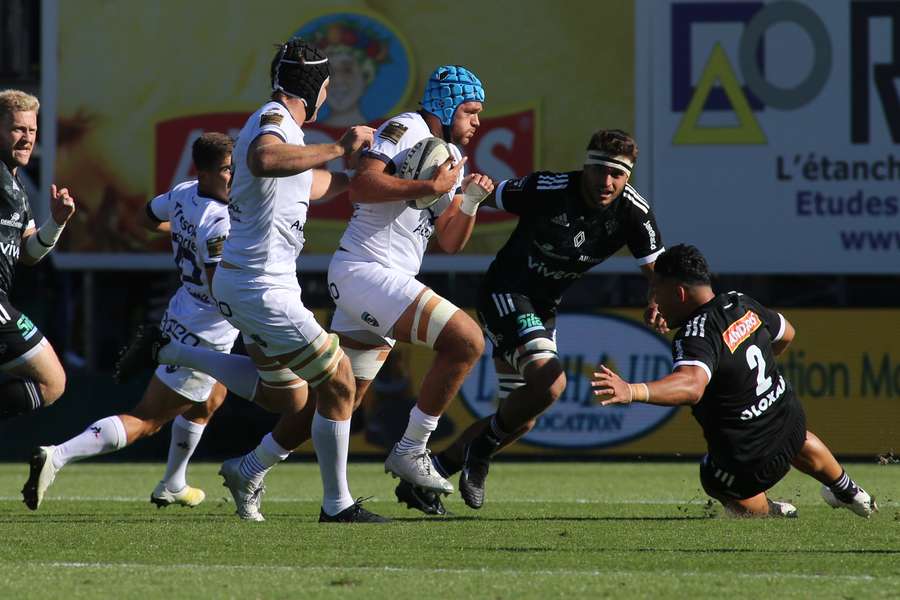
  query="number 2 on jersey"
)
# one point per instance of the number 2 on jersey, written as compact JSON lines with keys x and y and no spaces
{"x":755,"y":360}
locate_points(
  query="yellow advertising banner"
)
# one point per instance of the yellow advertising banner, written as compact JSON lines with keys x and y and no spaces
{"x":843,"y":365}
{"x":133,"y":97}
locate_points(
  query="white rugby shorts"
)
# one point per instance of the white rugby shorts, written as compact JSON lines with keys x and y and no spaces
{"x":268,"y":309}
{"x":191,"y":324}
{"x":369,"y":297}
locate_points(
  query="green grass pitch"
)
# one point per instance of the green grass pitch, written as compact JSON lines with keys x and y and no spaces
{"x":627,"y":530}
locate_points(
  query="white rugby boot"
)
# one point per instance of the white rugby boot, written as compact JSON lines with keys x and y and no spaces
{"x":247,"y":497}
{"x":782,"y":509}
{"x":187,"y":496}
{"x":417,"y":470}
{"x":40,"y":475}
{"x":862,"y":504}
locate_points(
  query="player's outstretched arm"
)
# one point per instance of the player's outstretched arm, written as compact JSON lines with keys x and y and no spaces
{"x":684,"y":386}
{"x":374,"y":183}
{"x":328,"y":184}
{"x":37,"y":243}
{"x":454,"y":226}
{"x":270,"y":156}
{"x":152,"y":225}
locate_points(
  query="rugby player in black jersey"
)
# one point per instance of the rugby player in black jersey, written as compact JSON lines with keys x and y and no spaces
{"x":724,"y":368}
{"x":31,"y":375}
{"x":568,"y":222}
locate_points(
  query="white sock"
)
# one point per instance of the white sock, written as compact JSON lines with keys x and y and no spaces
{"x":101,"y":437}
{"x":417,"y":432}
{"x":331,"y":439}
{"x":255,"y":464}
{"x":185,"y":437}
{"x":235,"y":372}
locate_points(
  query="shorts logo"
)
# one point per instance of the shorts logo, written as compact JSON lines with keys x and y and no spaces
{"x":26,"y":327}
{"x":171,"y":369}
{"x":740,"y":330}
{"x":527,"y":323}
{"x":369,"y":319}
{"x":259,"y":341}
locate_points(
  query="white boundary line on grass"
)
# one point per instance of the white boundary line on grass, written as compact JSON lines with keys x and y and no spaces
{"x":288,"y":499}
{"x":444,"y":571}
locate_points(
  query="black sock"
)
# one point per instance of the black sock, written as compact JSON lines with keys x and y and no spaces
{"x":843,"y":487}
{"x":19,"y":396}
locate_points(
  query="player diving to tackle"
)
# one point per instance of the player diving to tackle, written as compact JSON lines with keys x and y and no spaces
{"x":725,"y":370}
{"x":568,"y":222}
{"x":276,"y":176}
{"x":372,"y":276}
{"x":195,"y":213}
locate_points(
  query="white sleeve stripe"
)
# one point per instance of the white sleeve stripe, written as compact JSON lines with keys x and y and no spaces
{"x":695,"y":363}
{"x":781,"y":327}
{"x":650,"y":257}
{"x":498,"y":195}
{"x":635,"y":197}
{"x":643,"y":208}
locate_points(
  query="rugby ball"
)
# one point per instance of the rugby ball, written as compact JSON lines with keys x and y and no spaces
{"x":421,"y":162}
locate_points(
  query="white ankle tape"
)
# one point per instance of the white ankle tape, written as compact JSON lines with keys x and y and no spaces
{"x":432,"y":315}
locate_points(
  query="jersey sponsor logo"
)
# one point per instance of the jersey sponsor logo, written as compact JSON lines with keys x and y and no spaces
{"x":12,"y":223}
{"x":393,"y":131}
{"x":271,"y":118}
{"x":764,"y":403}
{"x":652,"y":233}
{"x":545,"y":271}
{"x":259,"y":341}
{"x":740,"y":330}
{"x":368,"y":318}
{"x":10,"y":249}
{"x":215,"y":246}
{"x":579,"y":239}
{"x":576,"y":420}
{"x":26,"y":327}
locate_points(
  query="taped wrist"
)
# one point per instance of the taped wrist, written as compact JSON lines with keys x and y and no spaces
{"x":473,"y":196}
{"x":40,"y":244}
{"x":639,"y":392}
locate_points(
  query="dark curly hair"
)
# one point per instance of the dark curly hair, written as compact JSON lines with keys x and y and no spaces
{"x":614,"y":142}
{"x":685,"y":264}
{"x":209,"y":149}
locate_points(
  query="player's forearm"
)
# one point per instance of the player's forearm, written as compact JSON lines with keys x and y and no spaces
{"x":372,"y":187}
{"x":457,"y":230}
{"x":676,"y":389}
{"x":328,"y":184}
{"x":286,"y":160}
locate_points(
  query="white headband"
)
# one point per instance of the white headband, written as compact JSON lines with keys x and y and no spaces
{"x":623,"y":163}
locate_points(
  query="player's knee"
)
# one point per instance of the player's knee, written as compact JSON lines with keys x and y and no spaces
{"x":463,"y":343}
{"x":341,"y":385}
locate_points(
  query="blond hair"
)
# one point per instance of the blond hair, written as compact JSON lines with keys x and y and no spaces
{"x":17,"y":101}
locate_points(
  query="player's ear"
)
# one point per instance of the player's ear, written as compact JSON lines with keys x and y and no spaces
{"x":682,"y":293}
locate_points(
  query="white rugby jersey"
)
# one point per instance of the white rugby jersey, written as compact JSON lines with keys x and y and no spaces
{"x":392,"y":233}
{"x":268,"y":214}
{"x":199,"y":230}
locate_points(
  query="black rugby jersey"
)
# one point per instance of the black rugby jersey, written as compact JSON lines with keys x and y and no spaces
{"x":15,"y":218}
{"x":748,"y":408}
{"x":558,"y":238}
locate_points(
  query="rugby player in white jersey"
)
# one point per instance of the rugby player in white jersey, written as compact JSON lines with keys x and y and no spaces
{"x":275,"y":178}
{"x":196,"y":215}
{"x":372,"y":277}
